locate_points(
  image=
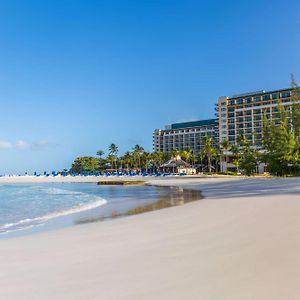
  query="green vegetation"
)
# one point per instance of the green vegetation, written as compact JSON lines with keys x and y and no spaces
{"x":137,"y":159}
{"x":281,"y":138}
{"x":85,"y":164}
{"x":141,"y":160}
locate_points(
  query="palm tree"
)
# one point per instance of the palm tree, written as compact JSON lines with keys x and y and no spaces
{"x":146,"y":157}
{"x":186,"y":155}
{"x":193,"y":157}
{"x":113,"y":150}
{"x":209,"y":152}
{"x":175,"y":153}
{"x":158,"y":158}
{"x":127,"y":159}
{"x":235,"y":149}
{"x":137,"y":153}
{"x":224,"y":149}
{"x":100,"y":153}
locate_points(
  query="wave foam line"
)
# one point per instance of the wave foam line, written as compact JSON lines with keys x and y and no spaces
{"x":73,"y":210}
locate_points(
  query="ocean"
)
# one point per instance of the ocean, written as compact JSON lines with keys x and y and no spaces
{"x":31,"y":208}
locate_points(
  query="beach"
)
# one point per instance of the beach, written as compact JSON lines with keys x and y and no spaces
{"x":240,"y":242}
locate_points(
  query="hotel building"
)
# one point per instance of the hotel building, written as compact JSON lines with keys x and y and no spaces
{"x":188,"y":135}
{"x":239,"y":115}
{"x":243,"y":114}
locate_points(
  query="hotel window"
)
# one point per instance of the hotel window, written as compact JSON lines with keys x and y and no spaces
{"x":266,"y":97}
{"x":223,"y":103}
{"x":223,"y":109}
{"x":224,"y":126}
{"x":286,"y":100}
{"x":231,"y":115}
{"x":275,"y":96}
{"x":257,"y":98}
{"x":223,"y":115}
{"x":285,"y":94}
{"x":232,"y":102}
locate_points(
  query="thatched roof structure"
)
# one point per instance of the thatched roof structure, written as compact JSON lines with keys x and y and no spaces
{"x":176,"y":163}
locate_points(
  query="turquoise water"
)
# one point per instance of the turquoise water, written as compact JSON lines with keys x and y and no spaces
{"x":28,"y":208}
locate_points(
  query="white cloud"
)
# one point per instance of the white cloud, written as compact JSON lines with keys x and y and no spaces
{"x":5,"y":145}
{"x":23,"y":145}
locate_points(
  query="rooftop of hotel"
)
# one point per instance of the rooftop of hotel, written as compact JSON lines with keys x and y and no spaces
{"x":193,"y":124}
{"x":257,"y":93}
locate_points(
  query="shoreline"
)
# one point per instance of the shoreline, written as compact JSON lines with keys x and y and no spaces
{"x":240,"y":242}
{"x":108,"y":202}
{"x":96,"y":179}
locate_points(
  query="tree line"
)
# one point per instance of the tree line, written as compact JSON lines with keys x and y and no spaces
{"x":141,"y":160}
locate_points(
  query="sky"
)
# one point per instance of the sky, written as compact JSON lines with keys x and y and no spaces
{"x":76,"y":76}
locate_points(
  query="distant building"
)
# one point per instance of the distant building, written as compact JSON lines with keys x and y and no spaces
{"x":243,"y":114}
{"x":188,"y":135}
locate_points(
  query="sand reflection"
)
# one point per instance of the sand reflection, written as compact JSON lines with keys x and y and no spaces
{"x":174,"y":196}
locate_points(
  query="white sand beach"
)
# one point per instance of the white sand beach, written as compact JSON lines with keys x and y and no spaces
{"x":241,"y":242}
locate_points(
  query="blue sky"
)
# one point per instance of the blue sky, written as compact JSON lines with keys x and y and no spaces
{"x":76,"y":76}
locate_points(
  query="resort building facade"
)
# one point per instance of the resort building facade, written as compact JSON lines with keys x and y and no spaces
{"x":239,"y":115}
{"x":243,"y":114}
{"x":188,"y":135}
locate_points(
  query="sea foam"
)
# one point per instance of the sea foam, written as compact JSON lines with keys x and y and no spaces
{"x":86,"y":202}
